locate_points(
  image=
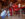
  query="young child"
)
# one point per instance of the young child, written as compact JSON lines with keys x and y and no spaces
{"x":8,"y":14}
{"x":3,"y":14}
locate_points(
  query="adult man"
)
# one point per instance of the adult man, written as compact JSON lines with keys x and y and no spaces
{"x":3,"y":13}
{"x":14,"y":6}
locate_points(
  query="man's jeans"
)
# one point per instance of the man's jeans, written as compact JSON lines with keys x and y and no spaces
{"x":2,"y":17}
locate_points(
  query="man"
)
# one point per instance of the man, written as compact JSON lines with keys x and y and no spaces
{"x":14,"y":6}
{"x":19,"y":5}
{"x":10,"y":9}
{"x":3,"y":13}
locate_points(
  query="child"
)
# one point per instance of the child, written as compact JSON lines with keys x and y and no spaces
{"x":8,"y":14}
{"x":3,"y":14}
